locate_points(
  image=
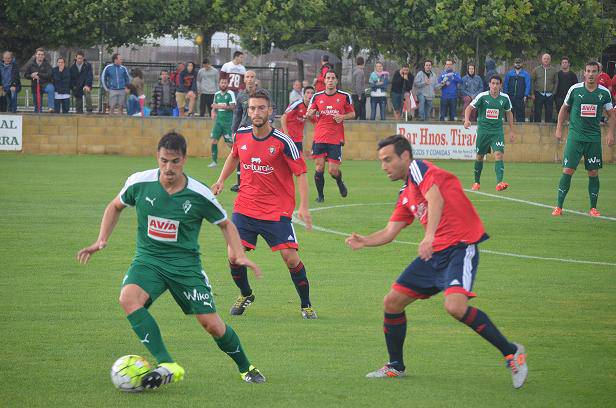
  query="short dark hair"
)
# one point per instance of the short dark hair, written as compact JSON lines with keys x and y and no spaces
{"x":331,"y":71}
{"x":497,"y":77}
{"x":80,"y":53}
{"x":261,"y":94}
{"x":205,"y":61}
{"x":359,"y":61}
{"x":114,"y":57}
{"x":401,"y":144}
{"x":237,"y":54}
{"x":565,"y":58}
{"x":592,"y":64}
{"x":451,"y":60}
{"x":164,"y":70}
{"x":309,"y":87}
{"x":39,"y":49}
{"x":173,"y":141}
{"x":325,"y":58}
{"x":472,"y":64}
{"x":428,"y":60}
{"x":405,"y":65}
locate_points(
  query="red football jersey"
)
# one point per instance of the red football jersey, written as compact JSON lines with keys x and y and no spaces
{"x":267,"y":166}
{"x":459,"y":223}
{"x":327,"y":130}
{"x":296,"y":118}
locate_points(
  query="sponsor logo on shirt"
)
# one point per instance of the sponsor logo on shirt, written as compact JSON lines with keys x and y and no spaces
{"x":163,"y":229}
{"x":588,"y":110}
{"x":491,"y":113}
{"x":256,"y":166}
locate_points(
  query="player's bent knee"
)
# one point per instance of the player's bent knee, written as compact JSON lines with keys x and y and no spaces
{"x":593,"y":173}
{"x":212,"y":323}
{"x":392,"y":303}
{"x":568,"y":171}
{"x":456,"y":310}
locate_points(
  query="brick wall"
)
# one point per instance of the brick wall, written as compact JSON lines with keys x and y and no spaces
{"x":133,"y":136}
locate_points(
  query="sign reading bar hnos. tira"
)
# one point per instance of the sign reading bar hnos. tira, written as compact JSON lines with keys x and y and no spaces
{"x":10,"y":132}
{"x":440,"y":141}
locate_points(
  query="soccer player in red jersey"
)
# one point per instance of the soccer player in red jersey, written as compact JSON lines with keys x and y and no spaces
{"x":294,"y":118}
{"x":319,"y":81}
{"x":334,"y":108}
{"x":264,"y":206}
{"x":448,"y":254}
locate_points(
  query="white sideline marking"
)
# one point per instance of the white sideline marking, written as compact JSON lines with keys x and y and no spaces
{"x":517,"y":200}
{"x":346,"y":234}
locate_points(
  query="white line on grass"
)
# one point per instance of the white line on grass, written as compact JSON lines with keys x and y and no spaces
{"x":517,"y":200}
{"x":487,"y":251}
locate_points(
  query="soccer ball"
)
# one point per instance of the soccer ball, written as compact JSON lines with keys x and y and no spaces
{"x":127,"y":371}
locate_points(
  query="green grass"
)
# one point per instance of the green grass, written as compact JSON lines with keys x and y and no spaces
{"x":62,"y":327}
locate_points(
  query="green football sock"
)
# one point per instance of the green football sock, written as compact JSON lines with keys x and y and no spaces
{"x":478,"y":169}
{"x":230,"y":344}
{"x":499,"y":168}
{"x":148,"y":332}
{"x":215,"y":153}
{"x":563,"y":188}
{"x":593,"y":190}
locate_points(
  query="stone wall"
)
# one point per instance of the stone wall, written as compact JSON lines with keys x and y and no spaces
{"x":134,"y":136}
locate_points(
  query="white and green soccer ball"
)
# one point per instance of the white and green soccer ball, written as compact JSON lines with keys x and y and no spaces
{"x":127,"y":371}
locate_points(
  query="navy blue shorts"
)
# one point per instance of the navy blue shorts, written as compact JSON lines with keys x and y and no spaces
{"x":300,"y":146}
{"x":278,"y":234}
{"x":332,"y":152}
{"x":451,"y":270}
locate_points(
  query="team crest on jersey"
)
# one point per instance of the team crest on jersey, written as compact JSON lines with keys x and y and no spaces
{"x":186,"y":206}
{"x":272,"y":150}
{"x":163,"y":229}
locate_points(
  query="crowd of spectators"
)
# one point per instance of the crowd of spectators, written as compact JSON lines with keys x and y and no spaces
{"x":189,"y":90}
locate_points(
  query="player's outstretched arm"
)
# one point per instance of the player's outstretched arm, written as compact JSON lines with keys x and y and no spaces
{"x":381,"y":237}
{"x":563,"y":114}
{"x":467,"y":115}
{"x":228,"y":168}
{"x":283,"y":123}
{"x":108,"y":223}
{"x":511,"y":127}
{"x":303,"y":212}
{"x":611,"y":122}
{"x":435,"y":210}
{"x":310,"y":113}
{"x":235,"y":247}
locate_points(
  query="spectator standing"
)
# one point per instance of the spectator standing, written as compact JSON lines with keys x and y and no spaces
{"x":359,"y":88}
{"x":175,"y":75}
{"x":81,"y":82}
{"x":9,"y":81}
{"x":187,"y":90}
{"x":471,"y":86}
{"x":39,"y":72}
{"x":133,"y":107}
{"x":240,"y":113}
{"x":319,"y":81}
{"x":517,"y":87}
{"x":207,"y":83}
{"x":61,"y":77}
{"x":490,"y":72}
{"x":401,"y":83}
{"x":296,"y":93}
{"x":139,"y":84}
{"x":379,"y":80}
{"x":448,"y":82}
{"x":163,"y":96}
{"x":115,"y":79}
{"x":544,"y":82}
{"x":604,"y":80}
{"x":566,"y":79}
{"x":425,"y":83}
{"x":234,"y":71}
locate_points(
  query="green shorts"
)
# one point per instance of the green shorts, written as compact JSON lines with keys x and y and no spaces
{"x":189,"y":287}
{"x":574,"y":150}
{"x":490,"y":142}
{"x":222,"y":129}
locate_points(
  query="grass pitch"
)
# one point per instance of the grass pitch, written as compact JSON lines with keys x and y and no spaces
{"x":62,"y":327}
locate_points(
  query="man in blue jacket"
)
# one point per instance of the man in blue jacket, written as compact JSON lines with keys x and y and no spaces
{"x":115,"y":79}
{"x":448,"y":81}
{"x":10,"y":82}
{"x":517,"y":86}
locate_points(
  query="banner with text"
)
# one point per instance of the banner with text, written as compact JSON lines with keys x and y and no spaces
{"x":11,"y":130}
{"x":440,"y":141}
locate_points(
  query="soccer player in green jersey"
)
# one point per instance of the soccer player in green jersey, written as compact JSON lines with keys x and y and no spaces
{"x":170,"y":209}
{"x":584,"y":103}
{"x":224,"y":105}
{"x":492,"y":107}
